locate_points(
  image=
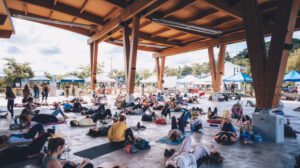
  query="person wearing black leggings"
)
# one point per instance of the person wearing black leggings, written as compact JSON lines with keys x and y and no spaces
{"x":10,"y":96}
{"x":20,"y":153}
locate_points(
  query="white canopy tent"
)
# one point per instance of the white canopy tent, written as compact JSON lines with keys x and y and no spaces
{"x":204,"y":81}
{"x":188,"y":79}
{"x":152,"y":79}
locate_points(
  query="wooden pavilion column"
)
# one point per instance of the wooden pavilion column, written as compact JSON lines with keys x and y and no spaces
{"x":158,"y":72}
{"x":217,"y":72}
{"x":268,"y":71}
{"x":160,"y":68}
{"x":94,"y":56}
{"x":130,"y":53}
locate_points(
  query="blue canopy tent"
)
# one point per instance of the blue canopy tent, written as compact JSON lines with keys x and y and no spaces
{"x":39,"y":79}
{"x":239,"y":77}
{"x":292,"y":76}
{"x":71,"y":79}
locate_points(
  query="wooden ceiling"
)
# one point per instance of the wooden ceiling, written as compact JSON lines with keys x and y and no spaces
{"x":224,"y":15}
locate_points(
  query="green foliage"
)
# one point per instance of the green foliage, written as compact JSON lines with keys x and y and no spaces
{"x":116,"y":74}
{"x":293,"y":61}
{"x":227,"y":57}
{"x":48,"y":75}
{"x":15,"y":71}
{"x":198,"y":69}
{"x":171,"y":71}
{"x":186,"y":70}
{"x":145,"y":73}
{"x":85,"y":71}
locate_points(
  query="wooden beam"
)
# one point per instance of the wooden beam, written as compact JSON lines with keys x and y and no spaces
{"x":278,"y":55}
{"x":160,"y":40}
{"x":74,"y":19}
{"x":78,"y":30}
{"x":177,"y":7}
{"x":159,"y":31}
{"x":55,"y":2}
{"x":158,"y":72}
{"x":201,"y":15}
{"x":223,"y":6}
{"x":25,"y":8}
{"x":127,"y":14}
{"x":95,"y":60}
{"x":50,"y":14}
{"x":176,"y":35}
{"x":5,"y":33}
{"x":110,"y":14}
{"x":146,"y":23}
{"x":133,"y":53}
{"x":150,"y":49}
{"x":83,"y":6}
{"x":2,"y":19}
{"x":220,"y":68}
{"x":126,"y":50}
{"x":60,"y":7}
{"x":162,"y":71}
{"x":256,"y":47}
{"x":212,"y":65}
{"x":118,"y":3}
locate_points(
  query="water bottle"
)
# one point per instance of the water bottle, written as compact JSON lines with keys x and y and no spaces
{"x":53,"y":128}
{"x":192,"y":128}
{"x":244,"y":132}
{"x":16,"y":121}
{"x":116,"y":114}
{"x":127,"y":149}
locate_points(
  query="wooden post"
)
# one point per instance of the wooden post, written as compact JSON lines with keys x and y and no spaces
{"x":126,"y":48}
{"x":216,"y":74}
{"x":91,"y":59}
{"x":94,"y":72}
{"x":133,"y":53}
{"x":282,"y":34}
{"x":158,"y":72}
{"x":268,"y":72}
{"x":162,"y":71}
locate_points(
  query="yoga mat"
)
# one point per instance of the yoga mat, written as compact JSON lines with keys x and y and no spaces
{"x":97,"y":151}
{"x":176,"y":111}
{"x":290,"y":116}
{"x":166,"y":140}
{"x":2,"y":111}
{"x":109,"y":165}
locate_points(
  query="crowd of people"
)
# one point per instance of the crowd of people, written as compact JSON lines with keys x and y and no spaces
{"x":156,"y":108}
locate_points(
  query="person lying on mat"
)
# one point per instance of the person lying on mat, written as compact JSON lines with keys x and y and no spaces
{"x":157,"y":106}
{"x":27,"y":116}
{"x":177,"y":130}
{"x":184,"y":158}
{"x":96,"y":132}
{"x":25,"y":137}
{"x":227,"y":135}
{"x":174,"y":105}
{"x":251,"y":103}
{"x":116,"y":133}
{"x":4,"y":116}
{"x":56,"y":147}
{"x":83,"y":122}
{"x":186,"y":114}
{"x":20,"y":153}
{"x":77,"y":107}
{"x":101,"y":115}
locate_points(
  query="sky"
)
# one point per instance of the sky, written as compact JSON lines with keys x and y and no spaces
{"x":58,"y":51}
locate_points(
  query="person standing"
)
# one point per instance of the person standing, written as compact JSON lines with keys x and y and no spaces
{"x":103,"y":87}
{"x":232,"y":87}
{"x":73,"y":90}
{"x":10,"y":96}
{"x":143,"y":89}
{"x":36,"y":90}
{"x":67,"y":90}
{"x":26,"y":93}
{"x":45,"y":92}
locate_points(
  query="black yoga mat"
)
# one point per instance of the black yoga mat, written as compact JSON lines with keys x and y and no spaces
{"x":97,"y":151}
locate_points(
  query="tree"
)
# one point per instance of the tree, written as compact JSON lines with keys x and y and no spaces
{"x":85,"y":71}
{"x":227,"y":57}
{"x":48,"y":75}
{"x":15,"y":71}
{"x":293,"y":61}
{"x":171,"y":71}
{"x":186,"y":70}
{"x":145,"y":73}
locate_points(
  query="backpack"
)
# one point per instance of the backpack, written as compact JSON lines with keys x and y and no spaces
{"x":288,"y":131}
{"x":161,"y":121}
{"x":141,"y":144}
{"x":147,"y":118}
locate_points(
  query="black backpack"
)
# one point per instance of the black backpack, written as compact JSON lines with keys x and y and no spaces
{"x":147,"y":118}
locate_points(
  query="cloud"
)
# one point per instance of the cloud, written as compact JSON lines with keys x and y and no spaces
{"x":50,"y":51}
{"x":13,"y":50}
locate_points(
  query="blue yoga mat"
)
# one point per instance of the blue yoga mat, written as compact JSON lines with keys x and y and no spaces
{"x":2,"y":111}
{"x":166,"y":140}
{"x":176,"y":111}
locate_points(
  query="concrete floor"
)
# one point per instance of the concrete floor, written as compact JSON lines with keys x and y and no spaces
{"x":237,"y":155}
